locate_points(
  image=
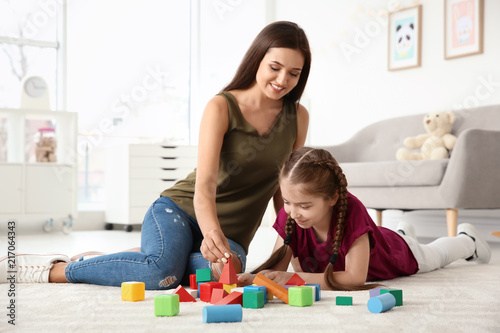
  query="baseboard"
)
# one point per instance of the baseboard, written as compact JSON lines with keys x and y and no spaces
{"x":432,"y":224}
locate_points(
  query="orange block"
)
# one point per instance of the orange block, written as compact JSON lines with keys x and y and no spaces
{"x":217,"y":295}
{"x":295,"y":280}
{"x":184,"y":296}
{"x":272,"y":287}
{"x":228,"y":275}
{"x":233,"y":298}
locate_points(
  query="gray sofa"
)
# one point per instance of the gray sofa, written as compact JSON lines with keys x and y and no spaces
{"x":469,"y":179}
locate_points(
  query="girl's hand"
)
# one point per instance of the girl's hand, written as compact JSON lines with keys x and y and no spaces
{"x":245,"y":279}
{"x":279,"y":277}
{"x":215,"y":247}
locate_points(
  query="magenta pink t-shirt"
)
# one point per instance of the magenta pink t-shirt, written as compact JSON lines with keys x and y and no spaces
{"x":390,"y":256}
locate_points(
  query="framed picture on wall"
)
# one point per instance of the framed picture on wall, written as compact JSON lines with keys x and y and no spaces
{"x":463,"y":28}
{"x":405,"y":38}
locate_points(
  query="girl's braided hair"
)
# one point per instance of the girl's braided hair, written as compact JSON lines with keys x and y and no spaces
{"x":322,"y":175}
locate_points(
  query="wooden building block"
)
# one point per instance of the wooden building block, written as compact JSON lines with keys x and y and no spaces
{"x":217,"y":295}
{"x":229,"y":287}
{"x":253,"y":299}
{"x":381,"y":303}
{"x":375,"y":292}
{"x":166,"y":305}
{"x":206,"y":289}
{"x":295,"y":280}
{"x":192,"y":282}
{"x":232,"y":298}
{"x":133,"y":291}
{"x":222,"y":313}
{"x":317,"y":290}
{"x":203,"y":275}
{"x":343,"y":300}
{"x":272,"y":287}
{"x":398,"y":294}
{"x":257,"y":288}
{"x":228,"y":275}
{"x":184,"y":296}
{"x":300,"y":296}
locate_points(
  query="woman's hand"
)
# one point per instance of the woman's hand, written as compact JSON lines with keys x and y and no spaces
{"x":215,"y":247}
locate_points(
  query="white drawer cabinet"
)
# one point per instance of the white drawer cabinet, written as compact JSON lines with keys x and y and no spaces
{"x":37,"y":192}
{"x":136,"y":174}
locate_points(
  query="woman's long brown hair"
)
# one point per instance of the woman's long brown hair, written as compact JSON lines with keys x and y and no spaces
{"x":277,"y":34}
{"x":320,"y":172}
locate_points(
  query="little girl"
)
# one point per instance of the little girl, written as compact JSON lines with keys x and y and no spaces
{"x":330,"y":239}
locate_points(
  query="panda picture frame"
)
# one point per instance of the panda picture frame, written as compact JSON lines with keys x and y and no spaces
{"x":463,"y":28}
{"x":405,"y":38}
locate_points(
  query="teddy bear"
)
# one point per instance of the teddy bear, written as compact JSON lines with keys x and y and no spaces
{"x":46,"y":150}
{"x":435,"y":144}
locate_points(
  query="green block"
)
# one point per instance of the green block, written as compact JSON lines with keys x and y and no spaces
{"x":343,"y":300}
{"x":203,"y":275}
{"x":397,"y":293}
{"x":300,"y":296}
{"x":166,"y":305}
{"x":253,"y":299}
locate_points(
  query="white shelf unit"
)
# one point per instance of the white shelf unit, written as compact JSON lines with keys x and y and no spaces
{"x":136,"y":174}
{"x":37,"y":192}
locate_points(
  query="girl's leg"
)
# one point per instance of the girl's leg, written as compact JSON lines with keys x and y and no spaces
{"x":166,"y":242}
{"x":441,"y":252}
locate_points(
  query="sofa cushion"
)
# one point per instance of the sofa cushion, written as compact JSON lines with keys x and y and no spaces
{"x":395,"y":173}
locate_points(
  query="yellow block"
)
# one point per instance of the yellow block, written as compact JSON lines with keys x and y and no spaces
{"x":228,"y":287}
{"x":133,"y":291}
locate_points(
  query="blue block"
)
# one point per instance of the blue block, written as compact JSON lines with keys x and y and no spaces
{"x":222,"y":313}
{"x":318,"y":290}
{"x":257,"y":288}
{"x":381,"y":303}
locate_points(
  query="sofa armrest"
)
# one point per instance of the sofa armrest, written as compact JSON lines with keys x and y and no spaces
{"x":472,"y":179}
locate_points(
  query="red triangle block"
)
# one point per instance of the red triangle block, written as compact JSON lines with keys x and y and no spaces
{"x":217,"y":295}
{"x":233,"y":298}
{"x":228,"y":275}
{"x":295,"y":280}
{"x":184,"y":296}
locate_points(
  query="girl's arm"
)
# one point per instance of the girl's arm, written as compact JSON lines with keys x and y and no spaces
{"x":302,"y":126}
{"x":355,"y":273}
{"x":214,"y":124}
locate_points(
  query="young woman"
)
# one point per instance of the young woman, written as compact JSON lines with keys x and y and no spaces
{"x":246,"y":132}
{"x":330,"y":239}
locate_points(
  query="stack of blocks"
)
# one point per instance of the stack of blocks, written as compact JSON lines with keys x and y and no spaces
{"x":228,"y":300}
{"x":384,"y":299}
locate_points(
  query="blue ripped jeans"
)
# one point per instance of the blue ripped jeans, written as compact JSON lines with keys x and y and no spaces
{"x":170,"y":252}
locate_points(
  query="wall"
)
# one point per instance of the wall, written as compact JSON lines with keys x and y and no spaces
{"x":348,"y":91}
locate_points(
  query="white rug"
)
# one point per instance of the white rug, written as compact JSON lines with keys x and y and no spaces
{"x":464,"y":297}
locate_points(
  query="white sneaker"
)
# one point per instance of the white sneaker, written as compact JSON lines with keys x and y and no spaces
{"x":483,"y":251}
{"x":407,"y":229}
{"x":28,"y":268}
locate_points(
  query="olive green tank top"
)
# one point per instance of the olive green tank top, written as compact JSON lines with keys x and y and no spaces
{"x":248,"y":172}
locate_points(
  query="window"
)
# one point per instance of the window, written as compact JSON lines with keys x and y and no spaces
{"x":128,"y":77}
{"x":28,"y":47}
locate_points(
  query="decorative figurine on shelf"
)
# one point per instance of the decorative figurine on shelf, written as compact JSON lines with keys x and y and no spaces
{"x":46,"y":146}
